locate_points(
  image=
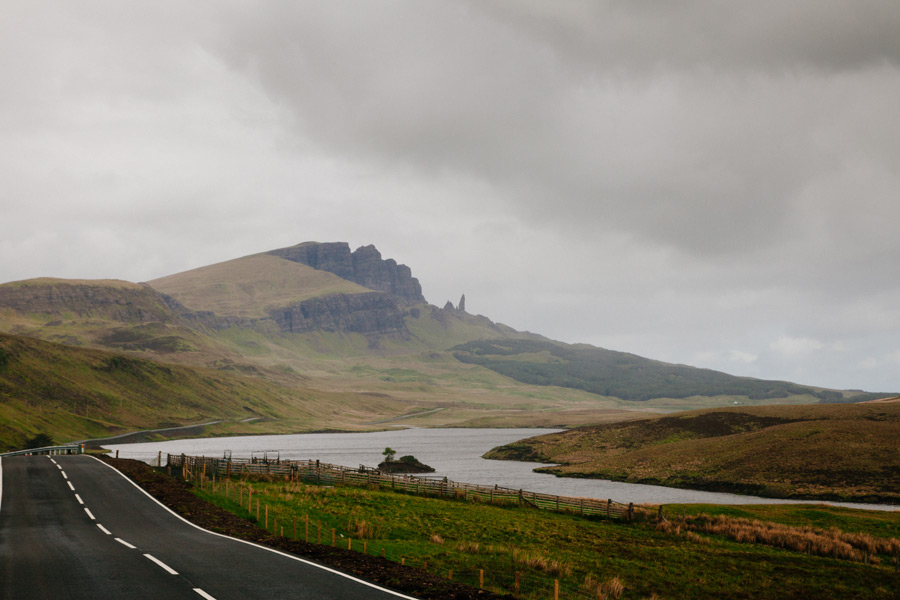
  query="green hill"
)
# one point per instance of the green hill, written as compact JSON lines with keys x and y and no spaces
{"x":627,"y":376}
{"x":846,"y":452}
{"x":77,"y":393}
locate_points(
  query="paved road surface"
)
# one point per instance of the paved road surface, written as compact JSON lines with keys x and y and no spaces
{"x":72,"y":527}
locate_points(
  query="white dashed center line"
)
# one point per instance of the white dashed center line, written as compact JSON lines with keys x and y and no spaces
{"x":80,"y":501}
{"x":71,"y":487}
{"x":204,"y":594}
{"x":88,"y":511}
{"x":164,"y":566}
{"x":64,"y":475}
{"x":103,"y":529}
{"x":124,"y":543}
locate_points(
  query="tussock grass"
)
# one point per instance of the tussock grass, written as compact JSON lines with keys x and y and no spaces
{"x":858,"y":547}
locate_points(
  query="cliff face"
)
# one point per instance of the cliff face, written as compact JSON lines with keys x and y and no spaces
{"x":356,"y":313}
{"x":363,"y":266}
{"x":130,"y":303}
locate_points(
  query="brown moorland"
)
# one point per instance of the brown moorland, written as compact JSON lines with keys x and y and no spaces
{"x":836,"y":452}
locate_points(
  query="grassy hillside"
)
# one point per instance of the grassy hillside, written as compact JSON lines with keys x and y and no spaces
{"x":846,"y":452}
{"x":622,"y":375}
{"x":75,"y":393}
{"x":251,"y":286}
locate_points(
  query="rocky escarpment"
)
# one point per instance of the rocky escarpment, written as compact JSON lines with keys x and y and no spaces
{"x":363,"y":266}
{"x":356,"y":313}
{"x":112,"y":300}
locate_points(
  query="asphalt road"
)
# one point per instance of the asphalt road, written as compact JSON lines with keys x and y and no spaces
{"x":72,"y":527}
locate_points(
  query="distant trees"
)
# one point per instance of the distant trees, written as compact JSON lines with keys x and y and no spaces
{"x":389,"y":454}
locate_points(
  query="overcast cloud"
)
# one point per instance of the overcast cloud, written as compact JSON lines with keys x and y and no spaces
{"x":701,"y":182}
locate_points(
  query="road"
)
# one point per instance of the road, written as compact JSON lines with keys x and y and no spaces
{"x":72,"y":527}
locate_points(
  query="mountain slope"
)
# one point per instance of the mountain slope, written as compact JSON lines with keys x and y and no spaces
{"x":627,"y":376}
{"x":77,"y":393}
{"x":352,"y":323}
{"x":250,"y":287}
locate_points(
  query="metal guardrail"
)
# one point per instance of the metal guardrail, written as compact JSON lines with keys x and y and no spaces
{"x":70,"y":449}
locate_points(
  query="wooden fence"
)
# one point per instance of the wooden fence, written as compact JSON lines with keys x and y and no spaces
{"x":315,"y":472}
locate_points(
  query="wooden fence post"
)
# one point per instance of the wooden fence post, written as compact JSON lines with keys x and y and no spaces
{"x":630,"y":511}
{"x":608,"y":505}
{"x":480,"y":579}
{"x":307,"y":528}
{"x":333,"y":537}
{"x":556,"y":589}
{"x":516,"y":586}
{"x":295,"y":527}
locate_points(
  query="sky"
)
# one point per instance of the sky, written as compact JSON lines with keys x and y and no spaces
{"x":708,"y":183}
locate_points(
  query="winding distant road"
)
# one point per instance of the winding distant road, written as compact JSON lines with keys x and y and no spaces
{"x":72,"y":527}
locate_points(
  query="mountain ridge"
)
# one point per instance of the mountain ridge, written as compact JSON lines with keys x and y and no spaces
{"x":271,"y":312}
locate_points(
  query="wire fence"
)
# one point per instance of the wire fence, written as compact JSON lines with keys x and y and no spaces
{"x":538,"y":583}
{"x":316,"y":472}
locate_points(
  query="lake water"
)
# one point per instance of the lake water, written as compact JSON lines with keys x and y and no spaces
{"x":454,"y":453}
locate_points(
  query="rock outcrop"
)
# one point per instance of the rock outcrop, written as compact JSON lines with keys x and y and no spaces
{"x":371,"y":313}
{"x":111,"y":300}
{"x":363,"y":266}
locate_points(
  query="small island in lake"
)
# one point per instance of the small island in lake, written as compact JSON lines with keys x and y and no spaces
{"x":406,"y":464}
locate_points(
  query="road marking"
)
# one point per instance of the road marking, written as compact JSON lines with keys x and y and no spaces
{"x":124,"y":543}
{"x":80,"y":501}
{"x":64,"y":475}
{"x":167,"y":568}
{"x":103,"y":529}
{"x":266,"y":548}
{"x":204,"y":594}
{"x":88,"y":511}
{"x":53,"y":461}
{"x":58,"y":467}
{"x":71,"y":487}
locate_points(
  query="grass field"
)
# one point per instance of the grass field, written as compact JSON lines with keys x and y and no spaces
{"x":638,"y":560}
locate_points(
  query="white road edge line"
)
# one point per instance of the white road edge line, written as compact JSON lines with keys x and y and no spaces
{"x":204,"y":594}
{"x":71,"y":487}
{"x":166,"y":567}
{"x":124,"y":543}
{"x":80,"y":501}
{"x":104,"y":529}
{"x":273,"y":550}
{"x":88,"y":511}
